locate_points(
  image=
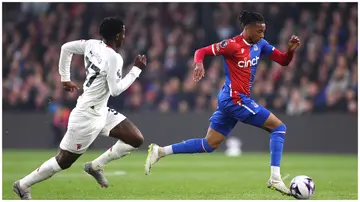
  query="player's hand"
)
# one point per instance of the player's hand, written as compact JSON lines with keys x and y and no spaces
{"x":70,"y":86}
{"x":294,"y":43}
{"x":140,"y":61}
{"x":199,"y":71}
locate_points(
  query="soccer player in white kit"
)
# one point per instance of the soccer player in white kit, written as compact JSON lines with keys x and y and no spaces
{"x":91,"y":116}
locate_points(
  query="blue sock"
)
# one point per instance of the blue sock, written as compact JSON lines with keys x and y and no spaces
{"x":277,"y":137}
{"x":192,"y":146}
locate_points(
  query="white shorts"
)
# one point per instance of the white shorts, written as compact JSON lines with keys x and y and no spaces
{"x":84,"y":127}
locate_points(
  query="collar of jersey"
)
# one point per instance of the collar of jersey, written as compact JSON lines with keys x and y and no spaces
{"x":247,"y":43}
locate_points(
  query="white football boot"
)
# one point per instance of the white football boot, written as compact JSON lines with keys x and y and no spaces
{"x":279,"y":185}
{"x":152,"y":158}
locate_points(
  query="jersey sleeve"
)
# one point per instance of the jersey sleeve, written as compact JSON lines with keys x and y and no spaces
{"x":67,"y":51}
{"x":275,"y":55}
{"x":267,"y":48}
{"x":116,"y":83}
{"x":225,"y":47}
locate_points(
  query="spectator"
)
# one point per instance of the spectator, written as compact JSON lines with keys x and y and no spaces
{"x":322,"y":76}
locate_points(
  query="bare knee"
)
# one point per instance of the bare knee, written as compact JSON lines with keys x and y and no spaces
{"x":65,"y":159}
{"x":134,"y":137}
{"x":272,"y":123}
{"x":213,"y":144}
{"x":214,"y":138}
{"x":138,"y":140}
{"x":63,"y":163}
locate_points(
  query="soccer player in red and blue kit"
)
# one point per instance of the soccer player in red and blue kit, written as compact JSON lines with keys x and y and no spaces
{"x":241,"y":55}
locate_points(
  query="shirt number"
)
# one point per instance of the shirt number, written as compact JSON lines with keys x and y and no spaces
{"x":95,"y":68}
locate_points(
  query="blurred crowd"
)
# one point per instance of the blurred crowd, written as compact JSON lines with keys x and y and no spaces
{"x":321,"y":78}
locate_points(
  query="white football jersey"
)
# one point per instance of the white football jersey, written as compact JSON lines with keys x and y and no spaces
{"x":103,"y":72}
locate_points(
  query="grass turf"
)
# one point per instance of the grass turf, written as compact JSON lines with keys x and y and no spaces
{"x":201,"y":176}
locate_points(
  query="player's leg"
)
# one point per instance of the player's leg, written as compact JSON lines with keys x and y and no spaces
{"x":63,"y":160}
{"x":77,"y":139}
{"x":211,"y":142}
{"x":219,"y":128}
{"x":268,"y":121}
{"x":128,"y":133}
{"x":129,"y":138}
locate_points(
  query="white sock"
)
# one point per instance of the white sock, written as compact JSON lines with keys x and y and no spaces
{"x":168,"y":150}
{"x":275,"y":172}
{"x":118,"y":150}
{"x":45,"y":171}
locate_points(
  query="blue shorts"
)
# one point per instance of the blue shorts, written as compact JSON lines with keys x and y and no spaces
{"x":229,"y":113}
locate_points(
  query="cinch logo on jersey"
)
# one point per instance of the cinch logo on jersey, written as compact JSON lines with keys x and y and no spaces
{"x":248,"y":63}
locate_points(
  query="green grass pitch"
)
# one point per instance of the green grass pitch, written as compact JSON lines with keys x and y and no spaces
{"x":202,"y":176}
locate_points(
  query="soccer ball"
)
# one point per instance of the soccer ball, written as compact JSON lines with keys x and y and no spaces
{"x":302,"y":187}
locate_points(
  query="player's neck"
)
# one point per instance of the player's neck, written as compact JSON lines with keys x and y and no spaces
{"x":110,"y":44}
{"x":246,"y":38}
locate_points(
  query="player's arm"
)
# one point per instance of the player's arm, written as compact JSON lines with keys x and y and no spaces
{"x":282,"y":58}
{"x":67,"y":51}
{"x":225,"y":47}
{"x":116,"y":83}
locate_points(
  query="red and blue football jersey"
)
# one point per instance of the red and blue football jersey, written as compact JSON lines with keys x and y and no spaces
{"x":240,"y":62}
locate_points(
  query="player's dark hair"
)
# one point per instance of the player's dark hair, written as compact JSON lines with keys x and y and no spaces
{"x":110,"y":27}
{"x":247,"y":17}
